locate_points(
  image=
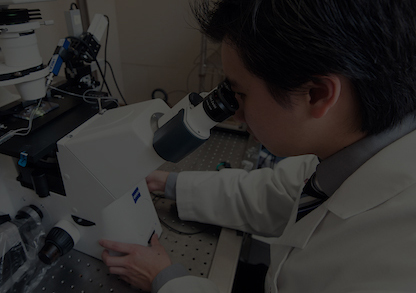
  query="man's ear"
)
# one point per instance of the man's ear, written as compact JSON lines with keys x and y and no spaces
{"x":324,"y":92}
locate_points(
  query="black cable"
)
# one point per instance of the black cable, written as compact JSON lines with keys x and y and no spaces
{"x":105,"y":47}
{"x":103,"y":76}
{"x":108,"y":63}
{"x":115,"y":81}
{"x":163,"y":92}
{"x":73,"y":4}
{"x":93,"y":55}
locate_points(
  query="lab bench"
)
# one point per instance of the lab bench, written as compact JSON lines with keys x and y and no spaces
{"x":205,"y":250}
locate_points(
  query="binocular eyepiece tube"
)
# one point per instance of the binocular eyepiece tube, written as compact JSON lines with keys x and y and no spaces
{"x":190,"y":127}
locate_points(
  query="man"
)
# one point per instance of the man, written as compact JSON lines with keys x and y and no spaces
{"x":330,"y":84}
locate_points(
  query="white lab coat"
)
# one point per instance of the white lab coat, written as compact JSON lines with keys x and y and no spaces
{"x":363,"y":239}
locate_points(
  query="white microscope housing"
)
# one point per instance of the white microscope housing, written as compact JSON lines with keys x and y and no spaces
{"x":105,"y":161}
{"x":20,"y":61}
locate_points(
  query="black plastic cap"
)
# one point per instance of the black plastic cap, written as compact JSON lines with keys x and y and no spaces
{"x":57,"y":243}
{"x":49,"y":253}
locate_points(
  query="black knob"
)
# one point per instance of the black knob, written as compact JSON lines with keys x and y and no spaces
{"x":195,"y":99}
{"x":57,"y":243}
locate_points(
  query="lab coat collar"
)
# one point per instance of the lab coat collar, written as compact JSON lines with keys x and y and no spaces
{"x":379,"y":179}
{"x":333,"y":171}
{"x":385,"y":175}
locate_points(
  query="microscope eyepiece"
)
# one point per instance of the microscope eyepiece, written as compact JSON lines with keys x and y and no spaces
{"x":57,"y":243}
{"x":192,"y":120}
{"x":60,"y":240}
{"x":220,"y":103}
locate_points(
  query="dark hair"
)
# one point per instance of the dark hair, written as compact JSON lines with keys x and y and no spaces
{"x":289,"y":42}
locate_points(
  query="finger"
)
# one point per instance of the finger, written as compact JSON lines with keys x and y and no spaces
{"x":113,"y":261}
{"x":116,"y":246}
{"x":105,"y":254}
{"x":154,"y":240}
{"x":118,"y":271}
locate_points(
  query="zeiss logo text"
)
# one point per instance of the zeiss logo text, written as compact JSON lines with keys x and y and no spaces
{"x":136,"y":195}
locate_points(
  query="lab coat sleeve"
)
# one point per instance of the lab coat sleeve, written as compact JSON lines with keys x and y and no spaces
{"x":258,"y":202}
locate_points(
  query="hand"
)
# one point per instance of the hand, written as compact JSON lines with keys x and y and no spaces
{"x":156,"y":181}
{"x":140,"y":264}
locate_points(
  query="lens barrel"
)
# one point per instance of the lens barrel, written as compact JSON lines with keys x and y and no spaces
{"x":220,"y":103}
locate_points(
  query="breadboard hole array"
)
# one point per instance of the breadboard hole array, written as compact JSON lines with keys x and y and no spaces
{"x":191,"y":244}
{"x":77,"y":272}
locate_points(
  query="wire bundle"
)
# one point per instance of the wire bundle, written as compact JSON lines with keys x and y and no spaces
{"x":25,"y":130}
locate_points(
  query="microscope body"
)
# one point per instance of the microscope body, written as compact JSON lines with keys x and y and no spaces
{"x":104,"y":163}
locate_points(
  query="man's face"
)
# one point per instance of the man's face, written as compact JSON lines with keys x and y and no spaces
{"x":283,"y":131}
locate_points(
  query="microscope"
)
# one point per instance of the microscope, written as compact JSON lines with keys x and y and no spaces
{"x":104,"y":163}
{"x":20,"y":61}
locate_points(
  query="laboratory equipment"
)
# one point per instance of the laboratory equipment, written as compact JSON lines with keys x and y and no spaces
{"x":81,"y":56}
{"x":10,"y":2}
{"x":104,"y":163}
{"x":19,"y":239}
{"x":76,"y":52}
{"x":94,"y":185}
{"x":20,"y":61}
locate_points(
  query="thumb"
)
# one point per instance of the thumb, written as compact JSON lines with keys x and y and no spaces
{"x":154,"y":240}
